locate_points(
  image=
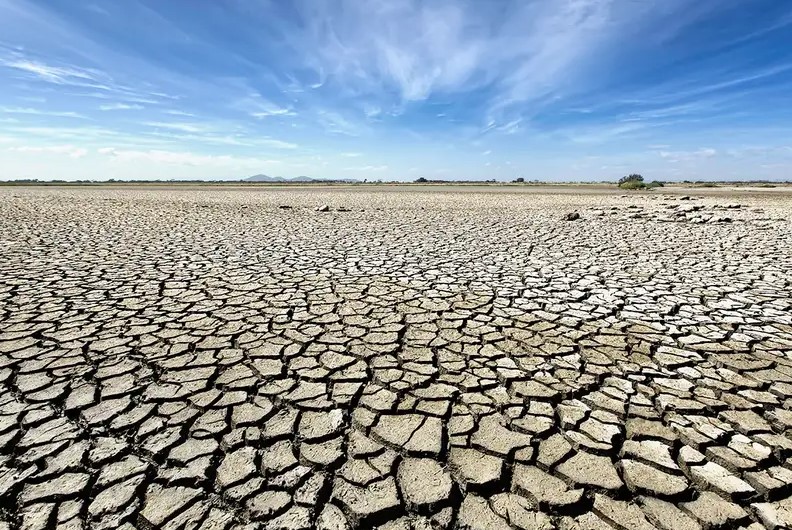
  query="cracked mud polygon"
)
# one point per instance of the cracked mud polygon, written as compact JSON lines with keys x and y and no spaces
{"x":430,"y":358}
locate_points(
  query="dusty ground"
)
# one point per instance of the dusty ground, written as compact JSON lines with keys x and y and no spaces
{"x":440,"y":358}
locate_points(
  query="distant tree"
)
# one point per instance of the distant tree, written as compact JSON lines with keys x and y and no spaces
{"x":519,"y":180}
{"x":635,"y":177}
{"x":421,"y":180}
{"x":632,"y":182}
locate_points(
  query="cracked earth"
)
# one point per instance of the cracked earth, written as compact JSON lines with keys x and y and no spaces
{"x":405,"y":358}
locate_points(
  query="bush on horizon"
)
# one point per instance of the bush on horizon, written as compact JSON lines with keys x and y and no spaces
{"x":632,"y":182}
{"x":632,"y":185}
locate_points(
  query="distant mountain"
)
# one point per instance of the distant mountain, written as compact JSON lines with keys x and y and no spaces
{"x":266,"y":178}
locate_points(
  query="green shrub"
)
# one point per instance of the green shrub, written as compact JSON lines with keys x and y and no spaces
{"x":632,"y":185}
{"x":655,"y":184}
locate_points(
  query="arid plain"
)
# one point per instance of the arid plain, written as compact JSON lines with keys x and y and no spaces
{"x":395,"y":357}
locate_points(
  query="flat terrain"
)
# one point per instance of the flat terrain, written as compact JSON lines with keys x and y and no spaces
{"x":415,"y":357}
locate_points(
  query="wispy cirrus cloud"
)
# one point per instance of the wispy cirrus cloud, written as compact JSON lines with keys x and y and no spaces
{"x":277,"y":144}
{"x":412,"y":50}
{"x":178,"y":126}
{"x":61,"y":75}
{"x":367,"y":168}
{"x":686,"y":156}
{"x":335,"y":123}
{"x":174,"y":112}
{"x":69,"y":150}
{"x":121,"y":106}
{"x":276,"y":111}
{"x":182,"y":158}
{"x":41,"y":112}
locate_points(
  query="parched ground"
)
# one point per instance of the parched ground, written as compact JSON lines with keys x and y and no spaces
{"x":431,"y":358}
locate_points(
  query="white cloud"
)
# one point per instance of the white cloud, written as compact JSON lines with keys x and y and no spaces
{"x":524,"y":50}
{"x":255,"y":105}
{"x":178,"y":126}
{"x":59,"y":75}
{"x":56,"y":74}
{"x":275,"y":111}
{"x":69,"y":150}
{"x":686,"y":156}
{"x":371,"y":111}
{"x":179,"y":113}
{"x":182,"y":158}
{"x":335,"y":123}
{"x":366,"y":168}
{"x":120,"y":106}
{"x":414,"y":48}
{"x":65,"y":132}
{"x":39,"y":112}
{"x":277,"y":144}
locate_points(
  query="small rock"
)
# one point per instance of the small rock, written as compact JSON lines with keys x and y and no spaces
{"x":573,"y":216}
{"x":323,"y":208}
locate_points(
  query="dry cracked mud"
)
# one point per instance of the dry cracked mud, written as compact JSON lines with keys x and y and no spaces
{"x":429,"y":358}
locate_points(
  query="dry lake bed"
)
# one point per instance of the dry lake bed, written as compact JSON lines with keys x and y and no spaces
{"x":410,"y":357}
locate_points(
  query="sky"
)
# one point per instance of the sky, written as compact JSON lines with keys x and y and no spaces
{"x":396,"y":89}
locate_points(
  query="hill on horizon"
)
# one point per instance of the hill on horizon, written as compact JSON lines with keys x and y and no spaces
{"x":266,"y":178}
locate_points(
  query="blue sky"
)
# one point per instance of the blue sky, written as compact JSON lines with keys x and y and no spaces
{"x":396,"y":89}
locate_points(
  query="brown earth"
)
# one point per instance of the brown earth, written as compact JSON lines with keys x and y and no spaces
{"x":413,"y":357}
